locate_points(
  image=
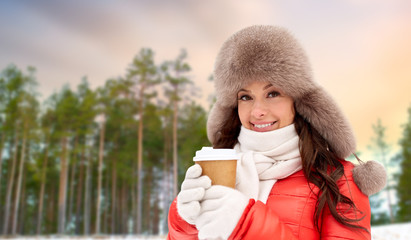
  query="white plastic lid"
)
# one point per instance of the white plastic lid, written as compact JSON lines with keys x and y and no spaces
{"x":211,"y":154}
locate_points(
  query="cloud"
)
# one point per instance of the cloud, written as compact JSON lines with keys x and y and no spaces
{"x":359,"y":50}
{"x":368,"y":70}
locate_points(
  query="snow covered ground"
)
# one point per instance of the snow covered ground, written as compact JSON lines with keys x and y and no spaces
{"x":392,"y":232}
{"x":99,"y":237}
{"x":387,"y":232}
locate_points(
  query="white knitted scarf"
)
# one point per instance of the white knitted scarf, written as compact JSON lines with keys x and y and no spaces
{"x":266,"y":157}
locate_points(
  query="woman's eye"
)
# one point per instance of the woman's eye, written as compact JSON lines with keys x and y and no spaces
{"x":244,"y":98}
{"x":273,"y":94}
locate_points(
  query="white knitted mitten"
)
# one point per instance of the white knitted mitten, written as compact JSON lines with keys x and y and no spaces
{"x":192,"y":191}
{"x":221,"y":209}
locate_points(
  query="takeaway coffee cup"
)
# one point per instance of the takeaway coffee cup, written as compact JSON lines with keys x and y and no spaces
{"x":219,"y":165}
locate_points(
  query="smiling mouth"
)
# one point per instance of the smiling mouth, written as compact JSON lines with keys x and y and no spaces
{"x":263,"y":125}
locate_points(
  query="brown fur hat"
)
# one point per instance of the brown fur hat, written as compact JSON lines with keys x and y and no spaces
{"x":272,"y":54}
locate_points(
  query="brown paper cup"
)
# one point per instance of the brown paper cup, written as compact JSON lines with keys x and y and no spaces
{"x":220,"y":165}
{"x":221,"y":172}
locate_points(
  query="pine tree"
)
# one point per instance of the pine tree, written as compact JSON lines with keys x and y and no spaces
{"x":18,"y":95}
{"x":142,"y":72}
{"x":176,"y":76}
{"x":2,"y":134}
{"x":66,"y":109}
{"x":29,"y":110}
{"x":404,"y":180}
{"x":381,"y":150}
{"x":51,"y":179}
{"x":46,"y":123}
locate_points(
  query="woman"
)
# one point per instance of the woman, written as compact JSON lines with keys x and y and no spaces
{"x":292,"y":179}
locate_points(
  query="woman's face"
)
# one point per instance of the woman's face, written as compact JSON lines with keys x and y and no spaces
{"x":263,"y":107}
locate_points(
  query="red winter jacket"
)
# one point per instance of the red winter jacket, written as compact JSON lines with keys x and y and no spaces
{"x":288,"y":213}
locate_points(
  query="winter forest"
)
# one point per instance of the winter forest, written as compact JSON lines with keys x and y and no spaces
{"x":111,"y":160}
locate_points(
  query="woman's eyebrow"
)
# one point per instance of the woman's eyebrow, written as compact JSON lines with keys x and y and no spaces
{"x":243,"y":90}
{"x":268,"y":86}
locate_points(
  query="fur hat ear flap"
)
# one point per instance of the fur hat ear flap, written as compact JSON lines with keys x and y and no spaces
{"x":370,"y":177}
{"x":215,"y":119}
{"x":320,"y":110}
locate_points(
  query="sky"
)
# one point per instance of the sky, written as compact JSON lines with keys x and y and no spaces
{"x":360,"y":50}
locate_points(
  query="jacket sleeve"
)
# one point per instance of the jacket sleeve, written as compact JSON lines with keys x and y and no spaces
{"x":331,"y":229}
{"x":259,"y":222}
{"x":178,"y":229}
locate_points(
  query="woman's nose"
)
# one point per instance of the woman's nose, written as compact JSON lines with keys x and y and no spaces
{"x":259,"y":109}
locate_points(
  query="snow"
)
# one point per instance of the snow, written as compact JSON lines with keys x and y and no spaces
{"x":92,"y":237}
{"x":400,"y":231}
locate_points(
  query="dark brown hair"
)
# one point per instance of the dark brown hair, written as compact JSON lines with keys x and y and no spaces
{"x":320,"y":166}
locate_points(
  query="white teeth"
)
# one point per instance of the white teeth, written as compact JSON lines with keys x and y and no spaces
{"x":262,"y":125}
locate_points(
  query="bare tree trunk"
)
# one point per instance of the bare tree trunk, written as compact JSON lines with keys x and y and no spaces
{"x":3,"y":137}
{"x":19,"y":181}
{"x":62,"y":188}
{"x":22,"y":213}
{"x":133,"y":197}
{"x":124,"y":214}
{"x":51,"y":209}
{"x":156,"y":216}
{"x":139,"y":176}
{"x":120,"y":220}
{"x":389,"y":202}
{"x":175,"y":163}
{"x":10,"y":186}
{"x":80,"y":190}
{"x":140,"y":161}
{"x":166,"y":179}
{"x":113,"y":197}
{"x":72,"y":181}
{"x":148,"y":185}
{"x":106,"y":211}
{"x":87,"y":198}
{"x":100,"y":176}
{"x":119,"y":208}
{"x":42,"y":189}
